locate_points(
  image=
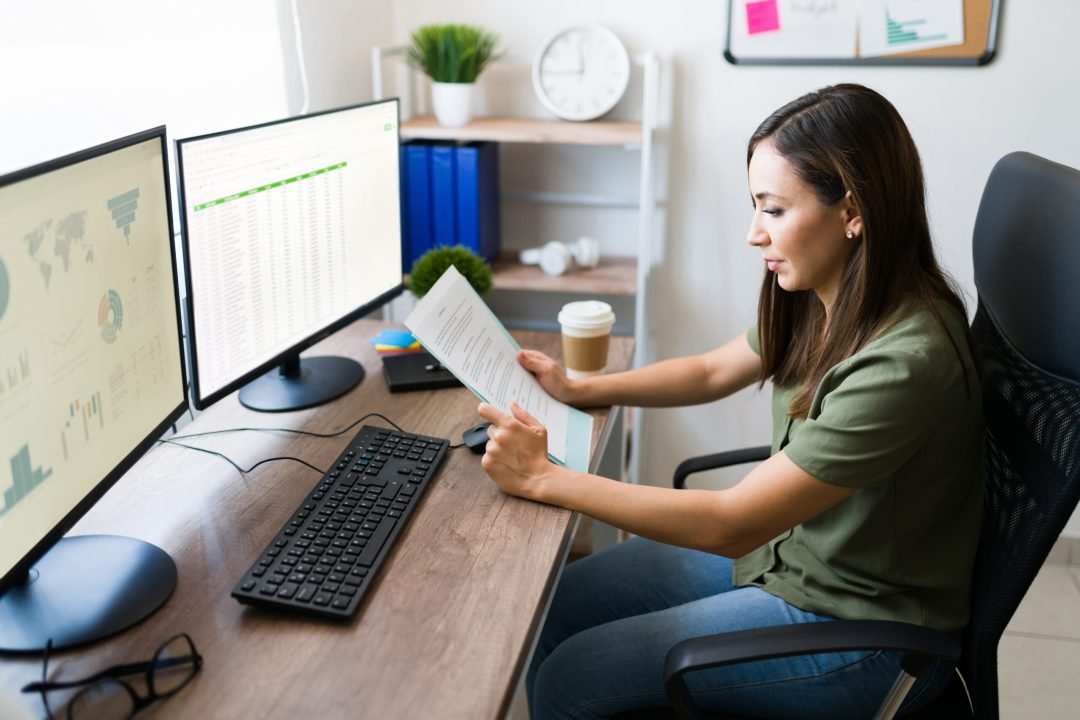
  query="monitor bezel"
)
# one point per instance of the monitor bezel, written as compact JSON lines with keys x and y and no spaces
{"x":19,"y":570}
{"x":197,"y":399}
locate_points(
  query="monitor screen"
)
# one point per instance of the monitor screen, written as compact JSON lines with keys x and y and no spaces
{"x":91,"y":364}
{"x":290,"y":230}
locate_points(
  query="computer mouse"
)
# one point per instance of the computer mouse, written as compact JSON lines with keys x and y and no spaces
{"x":476,"y":437}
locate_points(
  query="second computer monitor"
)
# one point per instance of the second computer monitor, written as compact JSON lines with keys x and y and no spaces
{"x":291,"y":230}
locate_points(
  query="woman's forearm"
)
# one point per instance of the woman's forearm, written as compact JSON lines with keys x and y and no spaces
{"x":690,"y":380}
{"x":687,"y":518}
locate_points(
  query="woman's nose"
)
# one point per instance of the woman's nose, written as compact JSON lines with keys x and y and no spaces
{"x":756,"y":236}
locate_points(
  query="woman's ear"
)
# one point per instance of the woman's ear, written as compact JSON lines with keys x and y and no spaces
{"x":853,"y":226}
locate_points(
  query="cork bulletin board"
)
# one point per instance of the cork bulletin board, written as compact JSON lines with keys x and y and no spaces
{"x":862,"y":32}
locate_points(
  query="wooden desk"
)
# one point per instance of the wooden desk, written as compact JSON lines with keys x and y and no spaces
{"x":445,"y":634}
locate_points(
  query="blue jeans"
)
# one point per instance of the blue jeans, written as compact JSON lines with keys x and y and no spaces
{"x":615,"y":615}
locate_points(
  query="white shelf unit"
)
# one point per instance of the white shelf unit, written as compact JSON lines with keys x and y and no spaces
{"x":617,"y":276}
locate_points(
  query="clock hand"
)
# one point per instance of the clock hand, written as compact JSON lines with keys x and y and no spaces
{"x":580,"y":56}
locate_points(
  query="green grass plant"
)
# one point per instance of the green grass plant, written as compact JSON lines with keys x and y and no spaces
{"x":452,"y":53}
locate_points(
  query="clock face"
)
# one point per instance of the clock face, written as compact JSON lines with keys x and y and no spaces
{"x":581,"y":72}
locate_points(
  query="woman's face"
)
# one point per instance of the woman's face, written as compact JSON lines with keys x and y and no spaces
{"x":802,"y":241}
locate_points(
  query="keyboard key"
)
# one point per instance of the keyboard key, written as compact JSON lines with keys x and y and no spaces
{"x":367,"y":558}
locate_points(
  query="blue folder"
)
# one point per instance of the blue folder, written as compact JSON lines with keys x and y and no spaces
{"x":417,"y":235}
{"x":443,"y":196}
{"x":477,"y":183}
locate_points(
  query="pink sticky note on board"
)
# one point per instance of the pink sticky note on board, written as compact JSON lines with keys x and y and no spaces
{"x":762,"y":16}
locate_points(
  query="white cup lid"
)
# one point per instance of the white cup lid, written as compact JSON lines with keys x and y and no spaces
{"x":587,"y":314}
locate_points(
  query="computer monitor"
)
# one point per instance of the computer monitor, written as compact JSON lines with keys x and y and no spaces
{"x":91,"y":373}
{"x":291,"y":230}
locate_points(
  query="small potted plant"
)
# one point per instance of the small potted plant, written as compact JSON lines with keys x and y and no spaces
{"x":430,"y":266}
{"x":452,"y":56}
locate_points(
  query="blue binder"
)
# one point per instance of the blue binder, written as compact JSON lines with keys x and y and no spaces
{"x":417,"y":234}
{"x":477,"y":181}
{"x":443,"y":196}
{"x":403,"y":195}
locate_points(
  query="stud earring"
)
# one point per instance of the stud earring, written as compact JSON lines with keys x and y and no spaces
{"x":850,"y":235}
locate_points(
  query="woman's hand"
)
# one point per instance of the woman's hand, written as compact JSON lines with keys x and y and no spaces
{"x":551,"y":376}
{"x":516,"y":453}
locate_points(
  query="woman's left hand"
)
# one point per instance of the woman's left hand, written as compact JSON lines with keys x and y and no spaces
{"x":516,"y":453}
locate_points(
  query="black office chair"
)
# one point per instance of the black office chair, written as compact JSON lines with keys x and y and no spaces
{"x":1027,"y":328}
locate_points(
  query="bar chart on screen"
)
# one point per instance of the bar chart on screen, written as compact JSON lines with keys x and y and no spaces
{"x":84,"y":421}
{"x":25,"y":477}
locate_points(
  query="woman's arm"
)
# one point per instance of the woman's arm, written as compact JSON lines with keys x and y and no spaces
{"x":680,"y":381}
{"x":776,"y":496}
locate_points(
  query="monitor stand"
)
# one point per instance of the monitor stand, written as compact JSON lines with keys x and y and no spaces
{"x":86,"y":588}
{"x":296,"y":384}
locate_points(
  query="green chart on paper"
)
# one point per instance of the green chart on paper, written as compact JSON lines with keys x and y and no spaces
{"x":900,"y":32}
{"x":269,"y":186}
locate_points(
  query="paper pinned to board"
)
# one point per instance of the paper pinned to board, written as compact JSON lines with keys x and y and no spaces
{"x":794,"y":28}
{"x":887,"y":27}
{"x":458,"y":328}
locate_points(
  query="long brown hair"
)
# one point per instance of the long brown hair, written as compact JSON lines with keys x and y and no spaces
{"x":840,"y":139}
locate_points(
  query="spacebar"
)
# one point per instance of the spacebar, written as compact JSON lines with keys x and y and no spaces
{"x":375,"y":542}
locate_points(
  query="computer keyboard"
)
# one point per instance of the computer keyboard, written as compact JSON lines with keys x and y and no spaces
{"x":327,"y":554}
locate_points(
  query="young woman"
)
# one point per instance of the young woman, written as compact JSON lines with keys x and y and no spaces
{"x":870,"y":505}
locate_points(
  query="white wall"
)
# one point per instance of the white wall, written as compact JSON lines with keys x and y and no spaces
{"x":336,"y":37}
{"x":75,"y":74}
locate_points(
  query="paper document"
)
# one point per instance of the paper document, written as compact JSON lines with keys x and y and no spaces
{"x":894,"y":26}
{"x":458,"y":328}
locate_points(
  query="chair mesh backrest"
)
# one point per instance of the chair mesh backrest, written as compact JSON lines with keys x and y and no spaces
{"x":1033,"y":483}
{"x":1031,"y":393}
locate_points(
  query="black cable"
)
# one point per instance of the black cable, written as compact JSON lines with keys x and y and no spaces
{"x":172,"y":441}
{"x":297,"y":432}
{"x":238,"y":468}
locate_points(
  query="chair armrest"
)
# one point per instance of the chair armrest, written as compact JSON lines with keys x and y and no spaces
{"x":921,"y":646}
{"x":718,"y":460}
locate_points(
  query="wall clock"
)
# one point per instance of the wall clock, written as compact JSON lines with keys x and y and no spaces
{"x":581,"y":72}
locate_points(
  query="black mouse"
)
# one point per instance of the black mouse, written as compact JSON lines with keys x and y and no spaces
{"x":476,"y":437}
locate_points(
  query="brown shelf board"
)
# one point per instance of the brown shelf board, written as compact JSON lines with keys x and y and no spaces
{"x":613,"y":276}
{"x":526,"y":130}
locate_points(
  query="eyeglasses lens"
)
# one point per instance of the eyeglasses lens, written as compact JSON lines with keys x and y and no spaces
{"x":174,"y":666}
{"x":104,"y":700}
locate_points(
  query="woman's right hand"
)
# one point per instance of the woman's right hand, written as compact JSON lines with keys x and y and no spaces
{"x":551,"y":376}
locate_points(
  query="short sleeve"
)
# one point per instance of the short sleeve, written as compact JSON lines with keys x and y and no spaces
{"x":753,"y":339}
{"x":869,"y":416}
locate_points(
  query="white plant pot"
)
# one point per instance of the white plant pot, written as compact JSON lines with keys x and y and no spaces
{"x":452,"y":103}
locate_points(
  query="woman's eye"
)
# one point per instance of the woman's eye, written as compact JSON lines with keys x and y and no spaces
{"x":775,"y":212}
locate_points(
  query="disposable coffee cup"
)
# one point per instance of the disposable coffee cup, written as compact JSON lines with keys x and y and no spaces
{"x":586,"y":335}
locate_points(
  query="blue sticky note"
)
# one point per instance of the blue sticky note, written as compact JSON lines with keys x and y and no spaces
{"x":397,"y":338}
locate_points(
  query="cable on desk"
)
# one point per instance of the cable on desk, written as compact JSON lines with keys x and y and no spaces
{"x":238,"y":468}
{"x":293,"y":430}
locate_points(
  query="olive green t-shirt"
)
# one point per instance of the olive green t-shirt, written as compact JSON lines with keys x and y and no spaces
{"x":901,"y":421}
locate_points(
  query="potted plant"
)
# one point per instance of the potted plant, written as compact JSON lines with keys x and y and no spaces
{"x":430,"y":266}
{"x":452,"y":56}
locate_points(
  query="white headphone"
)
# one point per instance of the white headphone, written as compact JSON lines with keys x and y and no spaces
{"x":555,"y":258}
